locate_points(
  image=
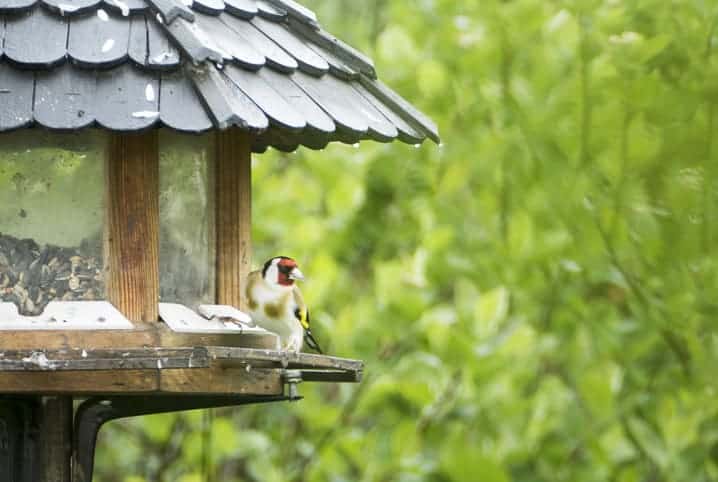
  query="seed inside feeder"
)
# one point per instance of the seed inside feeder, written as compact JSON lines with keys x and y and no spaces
{"x":32,"y":275}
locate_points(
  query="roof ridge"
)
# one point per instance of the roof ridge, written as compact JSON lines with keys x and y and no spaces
{"x":171,"y":10}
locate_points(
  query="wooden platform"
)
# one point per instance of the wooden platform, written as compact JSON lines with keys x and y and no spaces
{"x":154,"y":360}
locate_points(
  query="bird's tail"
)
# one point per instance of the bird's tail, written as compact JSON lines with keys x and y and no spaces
{"x":311,"y":342}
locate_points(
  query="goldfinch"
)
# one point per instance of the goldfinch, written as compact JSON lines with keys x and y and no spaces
{"x":276,"y":303}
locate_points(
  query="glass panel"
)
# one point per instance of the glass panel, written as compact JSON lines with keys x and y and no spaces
{"x":186,"y":219}
{"x":51,"y":218}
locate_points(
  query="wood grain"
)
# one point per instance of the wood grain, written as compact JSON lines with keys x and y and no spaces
{"x":220,"y":380}
{"x":144,"y":334}
{"x":80,"y":382}
{"x":214,"y":380}
{"x":132,"y":225}
{"x":234,"y":210}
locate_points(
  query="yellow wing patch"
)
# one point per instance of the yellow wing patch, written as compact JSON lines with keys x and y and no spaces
{"x":303,"y":316}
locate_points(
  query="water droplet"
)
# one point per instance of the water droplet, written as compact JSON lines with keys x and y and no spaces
{"x":150,"y":93}
{"x":355,"y":145}
{"x":160,"y":19}
{"x":103,"y":15}
{"x":416,"y":146}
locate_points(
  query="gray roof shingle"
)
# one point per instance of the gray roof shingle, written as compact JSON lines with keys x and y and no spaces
{"x":125,"y":65}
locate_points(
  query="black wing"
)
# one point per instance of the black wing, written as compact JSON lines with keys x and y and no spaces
{"x":303,"y":318}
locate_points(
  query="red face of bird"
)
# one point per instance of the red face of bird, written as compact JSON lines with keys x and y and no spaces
{"x":281,"y":270}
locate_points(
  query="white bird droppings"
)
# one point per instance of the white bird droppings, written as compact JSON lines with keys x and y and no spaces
{"x":162,"y":57}
{"x":160,"y":19}
{"x":84,"y":353}
{"x":103,"y":15}
{"x":37,"y":358}
{"x":108,"y":45}
{"x":122,"y":6}
{"x":149,"y":93}
{"x":145,"y":114}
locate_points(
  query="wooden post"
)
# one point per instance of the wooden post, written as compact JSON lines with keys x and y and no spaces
{"x":132,"y":225}
{"x":55,"y":438}
{"x":234,"y":214}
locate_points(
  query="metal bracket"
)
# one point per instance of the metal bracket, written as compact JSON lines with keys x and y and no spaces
{"x":292,"y":378}
{"x":95,"y":412}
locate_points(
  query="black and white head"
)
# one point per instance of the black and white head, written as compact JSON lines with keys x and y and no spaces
{"x":281,"y":271}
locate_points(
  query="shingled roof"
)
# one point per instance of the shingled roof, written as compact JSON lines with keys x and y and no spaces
{"x":126,"y":65}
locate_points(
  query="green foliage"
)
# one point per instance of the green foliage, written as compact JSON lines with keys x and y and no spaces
{"x":535,"y":299}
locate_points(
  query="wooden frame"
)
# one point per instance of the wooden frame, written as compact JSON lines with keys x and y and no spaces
{"x":234,"y":214}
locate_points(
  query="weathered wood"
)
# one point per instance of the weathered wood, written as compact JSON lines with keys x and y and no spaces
{"x":214,"y":380}
{"x":284,"y":359}
{"x":132,"y":225}
{"x":144,"y":334}
{"x":55,"y":438}
{"x":104,"y":359}
{"x":80,"y":382}
{"x":233,"y":221}
{"x":220,"y":380}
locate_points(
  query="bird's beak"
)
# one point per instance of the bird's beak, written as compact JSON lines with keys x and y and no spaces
{"x":296,"y":274}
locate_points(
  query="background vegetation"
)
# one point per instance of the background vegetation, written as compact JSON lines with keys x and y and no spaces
{"x":535,"y":300}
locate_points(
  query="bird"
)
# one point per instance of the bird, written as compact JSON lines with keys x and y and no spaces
{"x":276,"y":303}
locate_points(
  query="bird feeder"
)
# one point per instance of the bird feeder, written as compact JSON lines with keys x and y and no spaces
{"x":126,"y":133}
